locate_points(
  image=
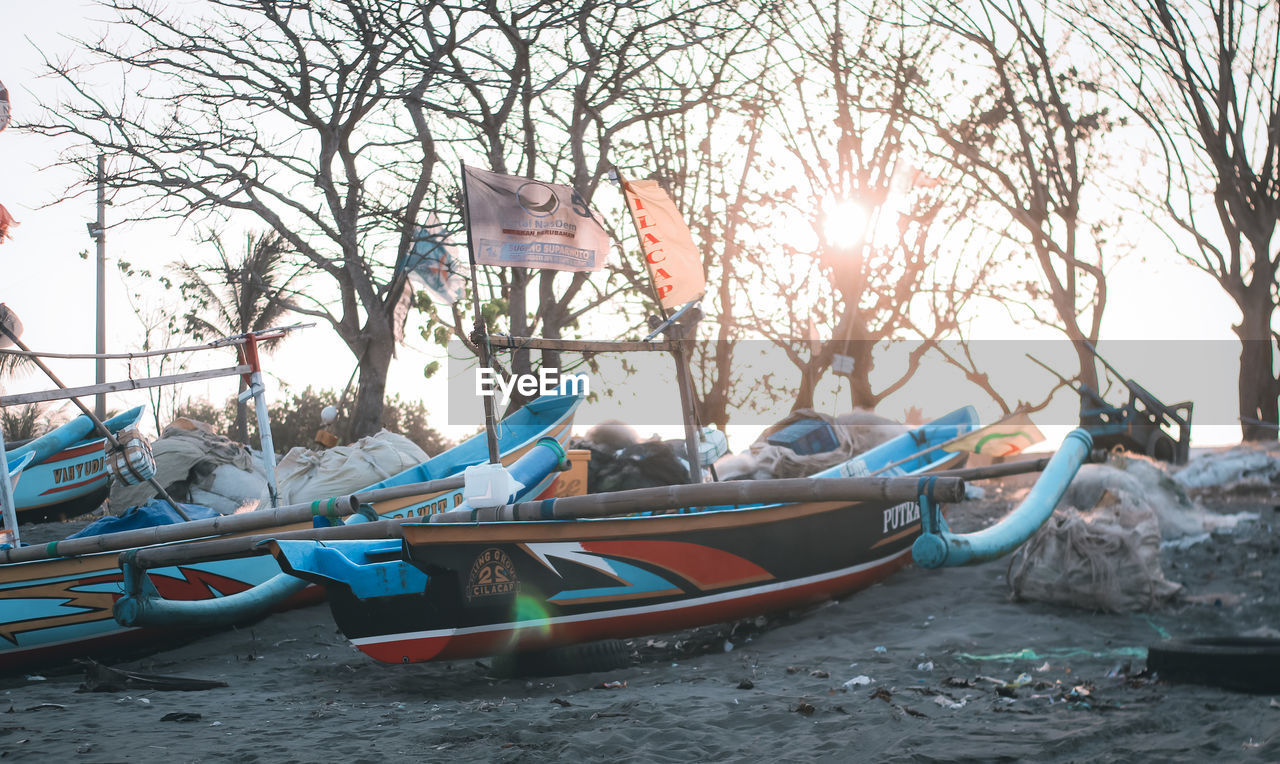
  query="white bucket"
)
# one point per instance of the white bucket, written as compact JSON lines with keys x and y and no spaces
{"x":488,"y":486}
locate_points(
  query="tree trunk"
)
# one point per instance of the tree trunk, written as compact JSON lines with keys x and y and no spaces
{"x":372,"y":388}
{"x":1258,"y":387}
{"x":809,"y":377}
{"x":517,"y":314}
{"x":552,"y":317}
{"x":1088,"y":376}
{"x":861,"y":394}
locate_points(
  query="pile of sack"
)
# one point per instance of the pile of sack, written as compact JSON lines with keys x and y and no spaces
{"x":197,"y":465}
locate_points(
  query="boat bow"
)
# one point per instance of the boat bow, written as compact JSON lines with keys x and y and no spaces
{"x":938,"y":547}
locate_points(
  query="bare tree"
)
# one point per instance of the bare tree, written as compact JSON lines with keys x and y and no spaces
{"x":847,"y":95}
{"x":709,"y":159}
{"x":290,"y":113}
{"x":562,"y":91}
{"x":1027,"y":146}
{"x":1204,"y":76}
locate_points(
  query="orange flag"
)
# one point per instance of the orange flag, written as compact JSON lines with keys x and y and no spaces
{"x":6,"y":222}
{"x":673,"y":260}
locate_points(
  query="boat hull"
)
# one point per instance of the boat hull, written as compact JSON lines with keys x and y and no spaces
{"x":477,"y":589}
{"x":513,"y":587}
{"x":57,"y":609}
{"x":71,"y":476}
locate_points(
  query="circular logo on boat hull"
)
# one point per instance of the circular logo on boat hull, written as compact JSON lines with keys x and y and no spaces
{"x":492,"y":575}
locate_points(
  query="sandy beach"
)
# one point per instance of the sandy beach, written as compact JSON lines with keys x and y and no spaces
{"x":928,"y":666}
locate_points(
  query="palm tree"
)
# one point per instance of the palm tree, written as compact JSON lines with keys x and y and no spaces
{"x":238,"y":295}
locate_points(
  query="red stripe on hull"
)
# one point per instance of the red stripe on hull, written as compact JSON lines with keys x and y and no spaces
{"x":611,"y":626}
{"x":97,"y":446}
{"x":706,"y":567}
{"x":99,"y":478}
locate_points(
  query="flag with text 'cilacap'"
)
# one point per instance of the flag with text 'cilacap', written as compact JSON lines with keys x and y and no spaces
{"x":518,"y":222}
{"x":669,"y":252}
{"x":1004,"y":438}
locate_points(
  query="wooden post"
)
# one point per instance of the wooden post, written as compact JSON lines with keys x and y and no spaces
{"x":480,"y":334}
{"x":681,"y":333}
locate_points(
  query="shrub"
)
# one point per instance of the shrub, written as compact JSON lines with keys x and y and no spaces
{"x":294,"y":421}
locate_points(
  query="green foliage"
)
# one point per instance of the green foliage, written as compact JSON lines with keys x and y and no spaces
{"x":409,"y":418}
{"x":294,"y":422}
{"x":220,"y":419}
{"x":242,"y":292}
{"x":23,"y":422}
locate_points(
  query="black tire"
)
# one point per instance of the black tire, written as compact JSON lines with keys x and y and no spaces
{"x":605,"y":655}
{"x":1247,"y":664}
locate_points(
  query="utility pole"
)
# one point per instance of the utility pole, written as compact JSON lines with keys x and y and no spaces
{"x":98,"y":231}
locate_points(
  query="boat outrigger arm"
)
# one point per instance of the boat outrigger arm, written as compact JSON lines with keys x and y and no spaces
{"x":938,"y":547}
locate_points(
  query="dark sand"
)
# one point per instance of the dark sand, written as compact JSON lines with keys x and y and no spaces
{"x":941,"y":652}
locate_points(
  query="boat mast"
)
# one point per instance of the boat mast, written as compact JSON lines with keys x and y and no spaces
{"x":479,"y":335}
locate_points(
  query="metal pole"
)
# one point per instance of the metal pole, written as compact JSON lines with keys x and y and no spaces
{"x":100,"y":234}
{"x":8,"y":507}
{"x":684,"y":381}
{"x":256,"y":390}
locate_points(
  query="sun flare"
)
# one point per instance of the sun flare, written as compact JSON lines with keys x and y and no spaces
{"x":844,"y":223}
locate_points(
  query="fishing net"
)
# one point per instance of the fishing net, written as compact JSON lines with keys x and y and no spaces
{"x":1246,"y":468}
{"x":1107,"y":558}
{"x":1101,"y":548}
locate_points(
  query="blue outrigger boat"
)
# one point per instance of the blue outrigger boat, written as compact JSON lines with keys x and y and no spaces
{"x":68,"y":474}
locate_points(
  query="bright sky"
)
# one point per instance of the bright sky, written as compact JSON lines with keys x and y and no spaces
{"x":44,"y":279}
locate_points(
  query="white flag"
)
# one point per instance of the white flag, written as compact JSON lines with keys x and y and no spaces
{"x":669,"y":252}
{"x":518,"y":222}
{"x":433,"y":264}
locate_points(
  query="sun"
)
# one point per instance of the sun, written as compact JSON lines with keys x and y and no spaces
{"x":844,"y":223}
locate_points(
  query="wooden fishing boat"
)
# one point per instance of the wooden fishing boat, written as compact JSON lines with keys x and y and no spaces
{"x":56,"y":600}
{"x":470,"y":589}
{"x":68,"y":474}
{"x":458,"y":590}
